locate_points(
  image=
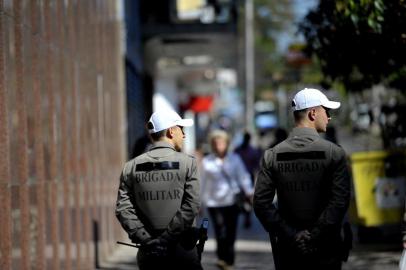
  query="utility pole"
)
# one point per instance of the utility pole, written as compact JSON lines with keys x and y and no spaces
{"x":249,"y":65}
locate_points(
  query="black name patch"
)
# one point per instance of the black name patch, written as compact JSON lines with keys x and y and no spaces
{"x":157,"y":166}
{"x":288,"y":156}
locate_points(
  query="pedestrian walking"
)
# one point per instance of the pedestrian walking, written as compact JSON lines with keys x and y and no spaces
{"x":311,"y":179}
{"x":224,"y":179}
{"x":250,"y":156}
{"x":158,"y":198}
{"x":280,"y":134}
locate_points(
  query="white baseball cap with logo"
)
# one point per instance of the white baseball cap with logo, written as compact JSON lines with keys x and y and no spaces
{"x":164,"y":119}
{"x":309,"y":97}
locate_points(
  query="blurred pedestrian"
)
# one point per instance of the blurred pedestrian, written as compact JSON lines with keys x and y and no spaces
{"x":158,"y":197}
{"x":223,"y":177}
{"x":280,"y":135}
{"x":250,"y":156}
{"x":311,"y":178}
{"x":141,"y":145}
{"x":331,"y":134}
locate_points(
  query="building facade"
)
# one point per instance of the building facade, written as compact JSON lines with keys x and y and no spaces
{"x":62,"y":132}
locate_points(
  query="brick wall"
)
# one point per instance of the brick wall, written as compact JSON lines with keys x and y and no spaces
{"x":62,"y":131}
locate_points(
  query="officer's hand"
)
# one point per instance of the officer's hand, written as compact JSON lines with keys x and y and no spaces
{"x":156,"y":247}
{"x":302,"y":236}
{"x":304,"y":242}
{"x":140,"y":236}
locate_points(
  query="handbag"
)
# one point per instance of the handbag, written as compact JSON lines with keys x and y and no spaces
{"x":243,"y":203}
{"x":241,"y":199}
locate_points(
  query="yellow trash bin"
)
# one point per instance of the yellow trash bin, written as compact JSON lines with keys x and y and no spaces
{"x":379,"y":188}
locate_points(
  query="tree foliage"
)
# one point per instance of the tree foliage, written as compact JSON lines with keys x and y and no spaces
{"x":271,"y":19}
{"x":359,"y":42}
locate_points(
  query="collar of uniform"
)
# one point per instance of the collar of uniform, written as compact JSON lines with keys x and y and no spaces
{"x":162,"y":144}
{"x":300,"y":131}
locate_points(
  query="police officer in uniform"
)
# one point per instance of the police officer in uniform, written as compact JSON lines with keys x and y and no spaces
{"x":158,"y":197}
{"x":311,"y":179}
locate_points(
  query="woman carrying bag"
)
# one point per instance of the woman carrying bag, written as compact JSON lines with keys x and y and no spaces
{"x":224,"y":179}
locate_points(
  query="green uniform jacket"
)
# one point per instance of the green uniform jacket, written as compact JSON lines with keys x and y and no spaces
{"x":158,"y":194}
{"x":311,"y":179}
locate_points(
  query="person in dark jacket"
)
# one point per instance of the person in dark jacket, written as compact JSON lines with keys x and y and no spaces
{"x":311,"y":179}
{"x":158,"y":198}
{"x":250,"y":156}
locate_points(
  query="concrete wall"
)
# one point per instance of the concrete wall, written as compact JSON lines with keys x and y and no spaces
{"x":62,"y":131}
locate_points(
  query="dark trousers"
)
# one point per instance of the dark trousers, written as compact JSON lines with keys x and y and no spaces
{"x":225,"y":227}
{"x":178,"y":258}
{"x":287,"y":257}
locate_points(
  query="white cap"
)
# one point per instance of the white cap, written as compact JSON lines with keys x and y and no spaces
{"x":309,"y":97}
{"x":164,"y":119}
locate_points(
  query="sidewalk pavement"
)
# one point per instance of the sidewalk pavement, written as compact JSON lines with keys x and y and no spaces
{"x":251,"y":255}
{"x":256,"y":255}
{"x":373,"y":257}
{"x":253,"y":252}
